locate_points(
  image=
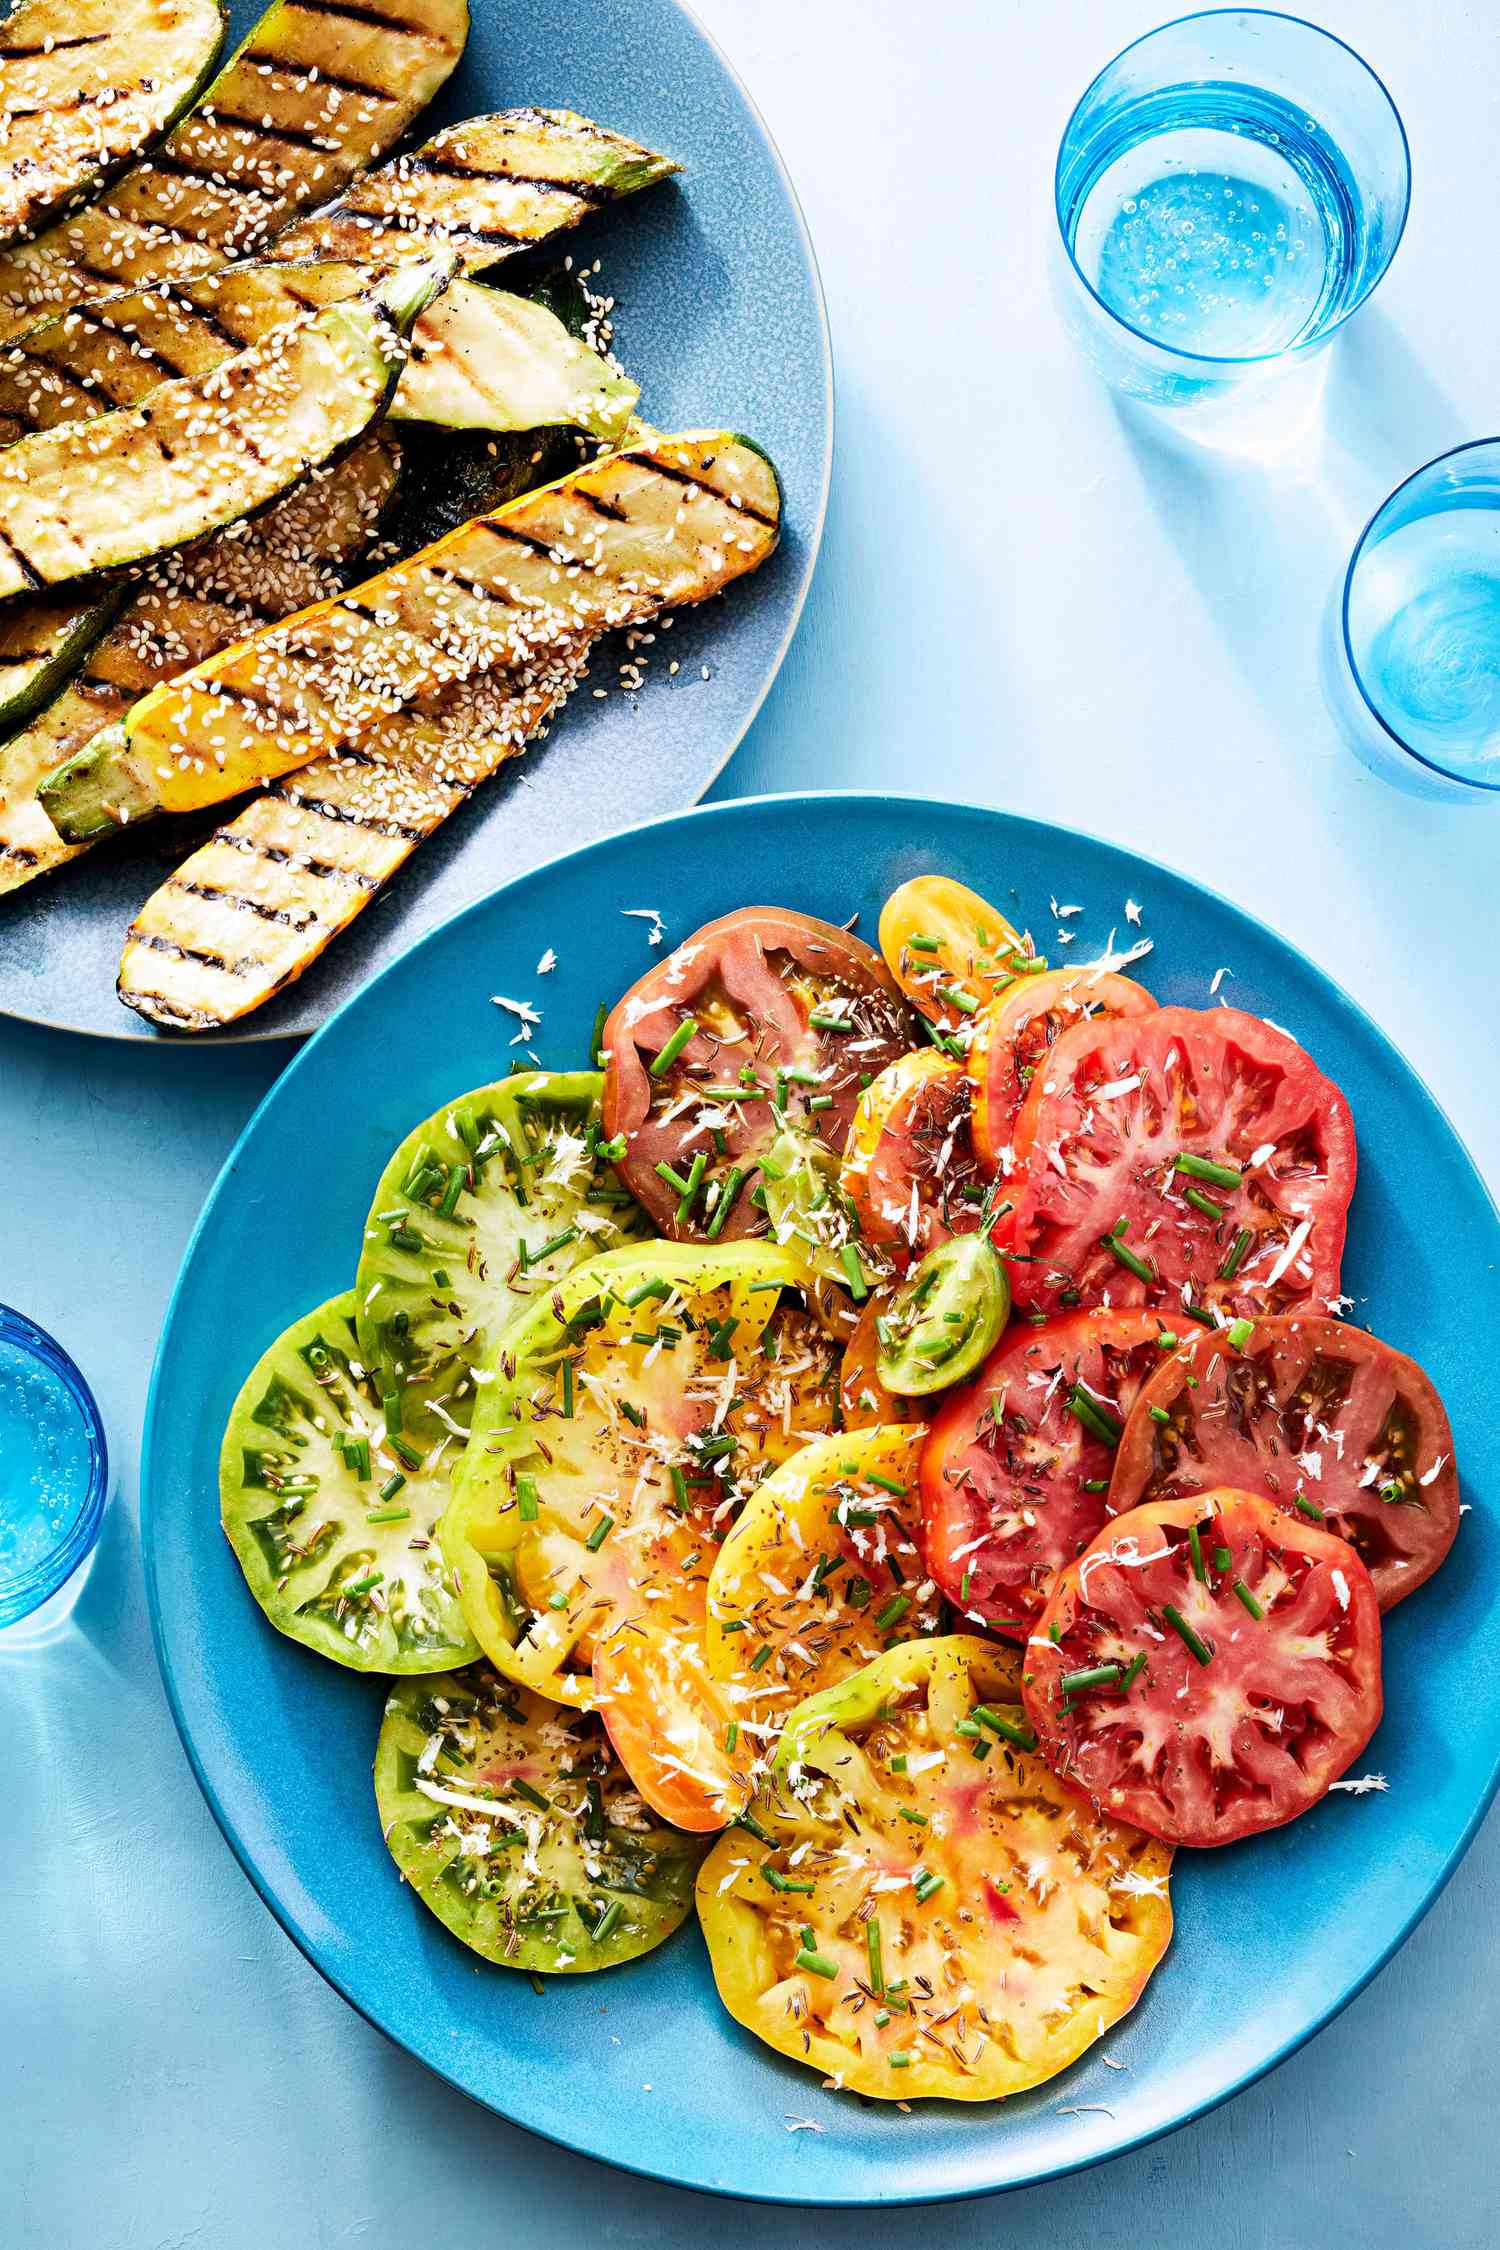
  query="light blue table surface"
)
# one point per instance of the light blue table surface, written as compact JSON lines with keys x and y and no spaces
{"x":1023,"y":600}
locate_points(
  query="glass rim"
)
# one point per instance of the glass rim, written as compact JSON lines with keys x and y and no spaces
{"x":1252,"y":359}
{"x":1407,"y":749}
{"x":26,"y":1590}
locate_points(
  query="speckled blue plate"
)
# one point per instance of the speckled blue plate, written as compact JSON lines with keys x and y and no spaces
{"x":641,"y":2066}
{"x":720,"y":318}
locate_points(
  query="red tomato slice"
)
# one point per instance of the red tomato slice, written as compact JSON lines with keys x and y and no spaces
{"x":1326,"y":1421}
{"x":910,"y":1169}
{"x":1204,"y":1688}
{"x":1107,"y":1216}
{"x":1015,"y":1033}
{"x":1016,"y":1465}
{"x":758,"y":1015}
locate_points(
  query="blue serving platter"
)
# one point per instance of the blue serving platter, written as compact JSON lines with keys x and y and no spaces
{"x":641,"y":2067}
{"x":720,"y":318}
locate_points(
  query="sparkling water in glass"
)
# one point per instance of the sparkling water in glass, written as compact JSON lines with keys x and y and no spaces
{"x":1414,"y":664}
{"x":54,"y":1474}
{"x":1229,"y":190}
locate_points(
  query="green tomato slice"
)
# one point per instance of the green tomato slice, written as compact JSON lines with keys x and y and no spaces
{"x":944,"y":1319}
{"x":332,"y":1513}
{"x":515,"y":1824}
{"x":629,"y":1413}
{"x":486,"y":1205}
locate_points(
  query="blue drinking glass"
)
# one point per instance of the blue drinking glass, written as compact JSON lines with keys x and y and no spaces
{"x":1412,"y":652}
{"x":54,"y":1468}
{"x":1229,"y":191}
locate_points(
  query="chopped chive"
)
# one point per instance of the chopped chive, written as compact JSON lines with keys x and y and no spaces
{"x":523,"y":1788}
{"x":596,"y":1036}
{"x":820,"y":1101}
{"x":442,"y":1279}
{"x":1244,"y":1595}
{"x":925,"y":944}
{"x":634,"y":1415}
{"x":926,"y":1884}
{"x":1186,"y":1635}
{"x":1095,"y":1484}
{"x":780,"y":1882}
{"x":815,"y":1964}
{"x":391,"y":1401}
{"x":720,"y":1335}
{"x":1092,"y":1676}
{"x":662,"y":1062}
{"x":1095,"y":1418}
{"x":674,"y":1179}
{"x":761,"y":1658}
{"x":898,"y":1763}
{"x":732,"y":1183}
{"x":1133,"y":1671}
{"x":679,"y":1488}
{"x":917,"y":1819}
{"x":1201,"y":1168}
{"x":558,"y":1242}
{"x":613,"y":1150}
{"x":599,"y":1534}
{"x":1160,"y":1414}
{"x":859,"y":1288}
{"x":386,"y":1515}
{"x":358,"y":1457}
{"x":392,"y":1486}
{"x":567,"y":1390}
{"x":1204,"y":1318}
{"x":829,"y":1019}
{"x":607,"y":1921}
{"x":1011,"y":1730}
{"x":1304,"y":1507}
{"x":1195,"y":1548}
{"x":731,"y":1735}
{"x":1393,"y":1492}
{"x":1235,"y":1259}
{"x":1204,"y":1203}
{"x":888,"y":1484}
{"x":1120,"y":1249}
{"x":873,"y":1954}
{"x":1239,"y":1333}
{"x":956,"y":997}
{"x":748,"y":1820}
{"x":458,"y":1175}
{"x":657,"y":1286}
{"x":900,"y":2060}
{"x":405,"y":1452}
{"x":594,"y":1825}
{"x":691,"y":1185}
{"x":558,"y":1600}
{"x":365,"y":1585}
{"x":1223,"y":1559}
{"x":894,"y":1610}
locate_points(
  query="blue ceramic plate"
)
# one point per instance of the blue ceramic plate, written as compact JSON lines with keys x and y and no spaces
{"x":641,"y":2066}
{"x":719,"y":316}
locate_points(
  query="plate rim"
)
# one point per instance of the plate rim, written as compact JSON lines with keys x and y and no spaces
{"x":212,"y":1042}
{"x":727,"y":809}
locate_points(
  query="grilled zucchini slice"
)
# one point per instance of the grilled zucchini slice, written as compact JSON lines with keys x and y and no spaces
{"x":204,"y":451}
{"x":515,"y":1823}
{"x":42,"y":643}
{"x":246,"y":914}
{"x":483,"y":190}
{"x":330,"y":1497}
{"x":485,"y":1206}
{"x":85,"y":85}
{"x":187,"y":606}
{"x":317,"y":91}
{"x":481,"y":359}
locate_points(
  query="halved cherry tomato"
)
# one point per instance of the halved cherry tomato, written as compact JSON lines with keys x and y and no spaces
{"x":943,"y":1319}
{"x":919,"y":1908}
{"x":866,"y":1401}
{"x":762,"y":1018}
{"x":1014,"y":1034}
{"x":1016,"y":1466}
{"x":950,"y":950}
{"x":1328,"y":1422}
{"x":910,"y":1169}
{"x":1208,"y":1668}
{"x":1182,"y":1160}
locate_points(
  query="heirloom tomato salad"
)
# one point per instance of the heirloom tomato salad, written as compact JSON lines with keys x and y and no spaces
{"x":875,"y":1461}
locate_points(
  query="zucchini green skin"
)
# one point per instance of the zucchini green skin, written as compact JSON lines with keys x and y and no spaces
{"x":583,"y":1881}
{"x":506,"y":1169}
{"x":42,"y":645}
{"x":296,"y":1512}
{"x":205,"y":452}
{"x":86,"y":86}
{"x":683,"y":516}
{"x":309,"y":99}
{"x":181,"y":611}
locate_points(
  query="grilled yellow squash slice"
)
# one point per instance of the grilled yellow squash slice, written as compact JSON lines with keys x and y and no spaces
{"x":188,"y":605}
{"x":317,"y":91}
{"x":478,"y":640}
{"x":85,"y":86}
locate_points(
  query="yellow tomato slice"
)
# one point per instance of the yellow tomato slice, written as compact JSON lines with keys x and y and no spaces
{"x":821,"y":1573}
{"x":926,"y":1910}
{"x":635,"y":1402}
{"x":672,"y":1725}
{"x":949,"y":949}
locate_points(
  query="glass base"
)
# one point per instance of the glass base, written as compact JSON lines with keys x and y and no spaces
{"x":48,"y":1623}
{"x":1376,"y":749}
